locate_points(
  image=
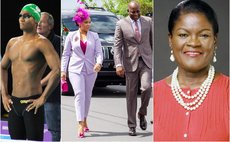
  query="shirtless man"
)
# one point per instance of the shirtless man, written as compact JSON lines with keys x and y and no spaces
{"x":28,"y":56}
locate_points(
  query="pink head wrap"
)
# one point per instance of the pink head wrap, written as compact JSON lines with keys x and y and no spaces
{"x":81,"y":15}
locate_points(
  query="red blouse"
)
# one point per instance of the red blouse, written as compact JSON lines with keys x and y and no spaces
{"x":83,"y":46}
{"x":210,"y":121}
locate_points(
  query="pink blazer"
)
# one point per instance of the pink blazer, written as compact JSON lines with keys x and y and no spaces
{"x":73,"y":57}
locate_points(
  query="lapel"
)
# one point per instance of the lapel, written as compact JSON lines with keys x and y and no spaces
{"x":88,"y":42}
{"x":143,"y":24}
{"x":129,"y":28}
{"x":78,"y":43}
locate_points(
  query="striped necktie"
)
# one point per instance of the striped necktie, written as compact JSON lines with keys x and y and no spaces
{"x":137,"y":32}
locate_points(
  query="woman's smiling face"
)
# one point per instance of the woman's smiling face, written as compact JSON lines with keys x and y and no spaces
{"x":193,"y":41}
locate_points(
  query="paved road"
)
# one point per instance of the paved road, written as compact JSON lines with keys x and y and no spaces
{"x":107,"y":118}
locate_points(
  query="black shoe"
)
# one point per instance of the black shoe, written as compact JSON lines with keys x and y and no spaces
{"x":132,"y":131}
{"x":143,"y":122}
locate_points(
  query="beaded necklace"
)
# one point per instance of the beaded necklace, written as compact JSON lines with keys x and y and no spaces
{"x":198,"y":97}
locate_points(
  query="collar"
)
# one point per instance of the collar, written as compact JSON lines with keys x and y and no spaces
{"x":132,"y":21}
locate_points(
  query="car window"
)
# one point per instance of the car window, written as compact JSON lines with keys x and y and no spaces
{"x":70,"y":24}
{"x":100,"y":23}
{"x":103,"y":23}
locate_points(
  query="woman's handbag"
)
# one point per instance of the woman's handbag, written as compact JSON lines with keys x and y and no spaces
{"x":64,"y":86}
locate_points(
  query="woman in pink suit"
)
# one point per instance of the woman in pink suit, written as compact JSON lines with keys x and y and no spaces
{"x":82,"y":55}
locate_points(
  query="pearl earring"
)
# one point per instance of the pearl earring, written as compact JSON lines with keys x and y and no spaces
{"x":172,"y":57}
{"x":214,"y":58}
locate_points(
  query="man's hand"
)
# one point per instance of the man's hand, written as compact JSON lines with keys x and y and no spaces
{"x":120,"y":71}
{"x":7,"y":102}
{"x":35,"y":104}
{"x":97,"y":67}
{"x":63,"y":75}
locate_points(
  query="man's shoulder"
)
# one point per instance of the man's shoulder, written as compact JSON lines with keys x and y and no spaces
{"x":123,"y":20}
{"x":41,"y":37}
{"x":57,"y":36}
{"x":41,"y":40}
{"x":13,"y":40}
{"x":146,"y":18}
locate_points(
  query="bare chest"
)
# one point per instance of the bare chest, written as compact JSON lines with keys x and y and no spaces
{"x":24,"y":51}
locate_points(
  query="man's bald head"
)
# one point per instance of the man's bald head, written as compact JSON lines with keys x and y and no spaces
{"x":133,"y":4}
{"x":134,"y":10}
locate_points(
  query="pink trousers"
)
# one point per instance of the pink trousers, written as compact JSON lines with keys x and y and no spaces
{"x":83,"y":86}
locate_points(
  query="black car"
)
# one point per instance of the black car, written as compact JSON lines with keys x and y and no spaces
{"x":103,"y":23}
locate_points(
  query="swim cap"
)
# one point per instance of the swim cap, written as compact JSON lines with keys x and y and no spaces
{"x":34,"y":10}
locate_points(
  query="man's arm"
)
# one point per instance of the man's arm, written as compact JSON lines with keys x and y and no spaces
{"x":118,"y":44}
{"x":118,"y":50}
{"x":45,"y":80}
{"x":53,"y":62}
{"x":5,"y":63}
{"x":57,"y":45}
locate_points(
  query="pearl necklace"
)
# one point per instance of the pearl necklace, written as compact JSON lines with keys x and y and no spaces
{"x":198,"y":97}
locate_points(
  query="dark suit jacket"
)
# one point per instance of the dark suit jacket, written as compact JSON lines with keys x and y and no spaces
{"x":55,"y":95}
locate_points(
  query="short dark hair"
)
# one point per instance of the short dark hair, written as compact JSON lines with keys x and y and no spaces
{"x":192,"y":6}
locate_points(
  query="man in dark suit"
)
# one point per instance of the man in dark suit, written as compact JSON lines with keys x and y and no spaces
{"x":133,"y":57}
{"x":52,"y":106}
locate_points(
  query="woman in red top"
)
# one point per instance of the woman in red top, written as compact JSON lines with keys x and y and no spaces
{"x":192,"y":103}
